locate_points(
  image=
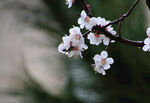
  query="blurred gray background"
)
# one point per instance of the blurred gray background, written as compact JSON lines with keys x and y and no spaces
{"x":32,"y":70}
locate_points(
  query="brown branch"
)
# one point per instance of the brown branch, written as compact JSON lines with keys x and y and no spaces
{"x":107,"y":45}
{"x":86,"y":8}
{"x":117,"y":38}
{"x":86,"y":33}
{"x":119,"y":20}
{"x":119,"y":28}
{"x":124,"y":15}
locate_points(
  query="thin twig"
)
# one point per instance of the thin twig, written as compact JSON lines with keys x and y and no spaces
{"x":108,"y":34}
{"x":86,"y":8}
{"x":124,"y":15}
{"x":119,"y":28}
{"x":117,"y":38}
{"x":86,"y":33}
{"x":107,"y":46}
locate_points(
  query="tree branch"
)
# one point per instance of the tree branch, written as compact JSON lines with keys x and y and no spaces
{"x":119,"y":20}
{"x":86,"y":8}
{"x":118,"y":38}
{"x":124,"y":15}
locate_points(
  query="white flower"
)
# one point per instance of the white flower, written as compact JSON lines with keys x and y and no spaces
{"x":146,"y":47}
{"x":95,"y":38}
{"x":86,"y":21}
{"x":73,"y":44}
{"x":76,"y":36}
{"x":101,"y":21}
{"x":106,"y":40}
{"x":65,"y":45}
{"x":69,"y":3}
{"x":77,"y":51}
{"x":102,"y":62}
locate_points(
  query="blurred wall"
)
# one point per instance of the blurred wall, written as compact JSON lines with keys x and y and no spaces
{"x":27,"y":53}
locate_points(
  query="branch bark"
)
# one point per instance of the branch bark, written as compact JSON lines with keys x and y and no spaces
{"x":108,"y":34}
{"x":118,"y":38}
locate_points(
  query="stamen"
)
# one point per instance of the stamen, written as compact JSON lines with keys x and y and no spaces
{"x":77,"y":37}
{"x":97,"y":35}
{"x":70,"y":42}
{"x":87,"y":19}
{"x":103,"y":61}
{"x":75,"y":49}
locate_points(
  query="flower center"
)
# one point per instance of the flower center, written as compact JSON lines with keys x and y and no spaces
{"x":96,"y":35}
{"x":149,"y":36}
{"x":77,"y":37}
{"x":87,"y":19}
{"x":75,"y":49}
{"x":70,"y":42}
{"x":103,"y":61}
{"x":106,"y":29}
{"x":73,"y":1}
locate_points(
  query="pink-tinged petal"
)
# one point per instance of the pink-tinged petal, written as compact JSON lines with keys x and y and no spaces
{"x":104,"y":54}
{"x":110,"y":60}
{"x":146,"y":47}
{"x":106,"y":66}
{"x":148,"y":31}
{"x":147,"y":41}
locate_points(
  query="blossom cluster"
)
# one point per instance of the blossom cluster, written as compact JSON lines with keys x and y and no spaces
{"x":74,"y":44}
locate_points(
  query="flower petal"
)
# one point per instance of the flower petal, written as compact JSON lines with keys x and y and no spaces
{"x":104,"y":54}
{"x":106,"y":66}
{"x":102,"y":71}
{"x":70,"y":54}
{"x":110,"y":60}
{"x":146,"y":47}
{"x":82,"y":26}
{"x":75,"y":30}
{"x":61,"y":48}
{"x":97,"y":58}
{"x":106,"y":41}
{"x":80,"y":21}
{"x":83,"y":14}
{"x":147,"y":41}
